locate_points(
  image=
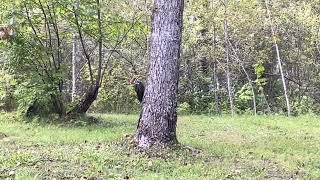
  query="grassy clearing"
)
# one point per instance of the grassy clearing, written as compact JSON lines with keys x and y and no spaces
{"x":266,"y":147}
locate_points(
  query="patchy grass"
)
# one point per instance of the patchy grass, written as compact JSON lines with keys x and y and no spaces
{"x":266,"y":147}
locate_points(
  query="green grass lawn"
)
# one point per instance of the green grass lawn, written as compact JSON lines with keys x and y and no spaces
{"x":266,"y":147}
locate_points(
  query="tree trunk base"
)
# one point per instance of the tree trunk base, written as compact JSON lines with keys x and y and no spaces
{"x":146,"y":140}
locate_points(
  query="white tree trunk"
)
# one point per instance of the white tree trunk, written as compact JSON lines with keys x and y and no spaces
{"x":230,"y":94}
{"x":74,"y":65}
{"x":279,"y":60}
{"x":74,"y":62}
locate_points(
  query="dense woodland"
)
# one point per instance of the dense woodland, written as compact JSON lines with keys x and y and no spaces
{"x":159,"y":89}
{"x":62,"y":57}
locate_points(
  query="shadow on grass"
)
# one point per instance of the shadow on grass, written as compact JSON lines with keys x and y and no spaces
{"x":85,"y":121}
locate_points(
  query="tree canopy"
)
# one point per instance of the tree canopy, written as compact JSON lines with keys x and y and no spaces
{"x":108,"y":40}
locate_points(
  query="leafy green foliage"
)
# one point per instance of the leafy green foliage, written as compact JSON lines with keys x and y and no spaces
{"x":184,"y":108}
{"x":203,"y":82}
{"x":7,"y":88}
{"x":33,"y":85}
{"x":40,"y":52}
{"x":244,"y":98}
{"x":117,"y":96}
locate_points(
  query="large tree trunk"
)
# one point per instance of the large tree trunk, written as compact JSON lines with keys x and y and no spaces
{"x":159,"y":115}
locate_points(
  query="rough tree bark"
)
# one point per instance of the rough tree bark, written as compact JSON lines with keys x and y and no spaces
{"x":85,"y":103}
{"x":159,"y":117}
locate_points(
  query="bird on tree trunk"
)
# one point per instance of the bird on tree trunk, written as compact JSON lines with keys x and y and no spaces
{"x":139,"y":88}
